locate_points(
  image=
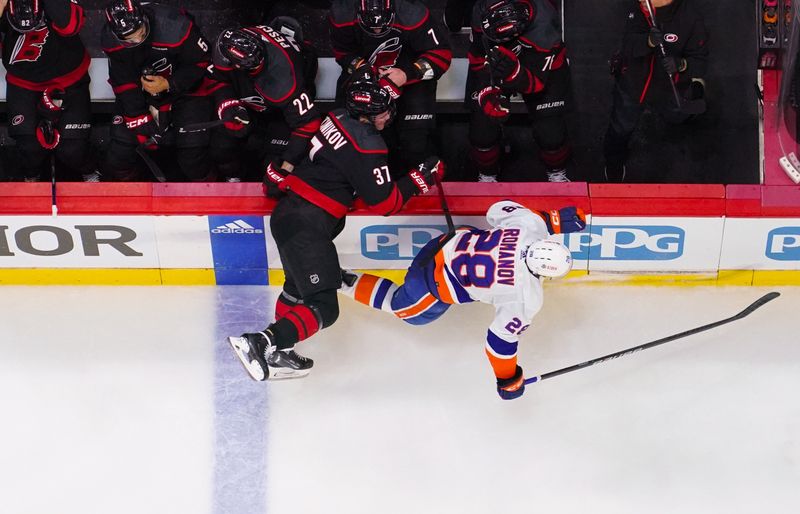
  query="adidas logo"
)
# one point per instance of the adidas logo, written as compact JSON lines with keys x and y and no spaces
{"x":236,"y":227}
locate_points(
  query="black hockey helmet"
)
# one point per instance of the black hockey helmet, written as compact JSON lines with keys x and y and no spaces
{"x":505,"y":20}
{"x":375,"y":16}
{"x":25,"y":15}
{"x":126,"y":17}
{"x":365,"y":97}
{"x":242,"y":48}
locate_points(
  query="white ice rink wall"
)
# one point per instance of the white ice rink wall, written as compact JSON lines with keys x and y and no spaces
{"x":684,"y":234}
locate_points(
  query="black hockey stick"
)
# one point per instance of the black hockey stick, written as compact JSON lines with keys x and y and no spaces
{"x":749,"y":310}
{"x":685,"y":106}
{"x":451,"y":228}
{"x":199,"y":127}
{"x":149,"y":162}
{"x":54,"y":205}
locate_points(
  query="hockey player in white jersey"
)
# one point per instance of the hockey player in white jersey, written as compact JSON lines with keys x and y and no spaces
{"x":501,"y":266}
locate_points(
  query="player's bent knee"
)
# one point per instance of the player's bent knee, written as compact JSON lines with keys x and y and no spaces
{"x":325,"y":304}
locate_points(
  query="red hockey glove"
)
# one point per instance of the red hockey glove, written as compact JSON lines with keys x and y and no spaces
{"x":51,"y":104}
{"x":390,"y":87}
{"x":511,"y":388}
{"x":503,"y":63}
{"x":494,"y":103}
{"x":47,"y":134}
{"x":564,"y":220}
{"x":425,"y":174}
{"x":274,"y":176}
{"x":235,"y":117}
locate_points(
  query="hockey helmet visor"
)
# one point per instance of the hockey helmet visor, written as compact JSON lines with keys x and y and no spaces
{"x":25,"y":15}
{"x":126,"y":17}
{"x":375,"y":16}
{"x":506,"y":20}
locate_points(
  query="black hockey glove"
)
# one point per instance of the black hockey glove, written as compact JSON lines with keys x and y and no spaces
{"x":274,"y":177}
{"x":656,"y":37}
{"x":503,"y":64}
{"x":235,"y":117}
{"x":564,"y":220}
{"x":511,"y":388}
{"x":670,"y":65}
{"x":425,"y":174}
{"x":51,"y":105}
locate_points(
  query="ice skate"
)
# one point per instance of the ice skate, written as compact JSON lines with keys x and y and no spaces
{"x":263,"y":361}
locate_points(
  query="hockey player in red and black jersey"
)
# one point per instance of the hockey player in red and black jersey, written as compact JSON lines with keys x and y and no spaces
{"x":348,"y":159}
{"x":47,"y":84}
{"x":517,"y":48}
{"x":268,"y":71}
{"x":408,"y":47}
{"x":643,"y":74}
{"x":157,"y":60}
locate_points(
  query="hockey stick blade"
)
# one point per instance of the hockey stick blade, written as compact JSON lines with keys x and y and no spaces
{"x":611,"y":356}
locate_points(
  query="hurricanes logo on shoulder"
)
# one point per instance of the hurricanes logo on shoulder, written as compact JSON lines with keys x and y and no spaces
{"x":236,"y":227}
{"x":17,"y":120}
{"x":28,"y":47}
{"x":671,"y":38}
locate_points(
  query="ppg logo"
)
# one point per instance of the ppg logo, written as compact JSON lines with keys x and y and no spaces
{"x":627,"y":243}
{"x":783,"y":244}
{"x":394,"y":242}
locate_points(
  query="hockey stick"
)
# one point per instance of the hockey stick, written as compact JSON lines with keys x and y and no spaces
{"x":149,"y":162}
{"x":451,"y":228}
{"x":200,"y":127}
{"x":685,"y":106}
{"x":749,"y":310}
{"x":54,"y":205}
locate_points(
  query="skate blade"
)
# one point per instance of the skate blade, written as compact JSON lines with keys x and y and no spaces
{"x":286,"y":373}
{"x":242,"y":348}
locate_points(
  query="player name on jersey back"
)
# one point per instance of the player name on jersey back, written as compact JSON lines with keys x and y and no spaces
{"x":332,"y":134}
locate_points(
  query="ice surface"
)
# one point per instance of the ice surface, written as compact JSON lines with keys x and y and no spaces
{"x":128,"y":400}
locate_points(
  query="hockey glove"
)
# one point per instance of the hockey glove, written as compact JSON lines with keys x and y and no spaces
{"x":494,"y":103}
{"x":234,"y":116}
{"x":511,"y":388}
{"x":51,"y":104}
{"x":47,"y":134}
{"x":146,"y":130}
{"x":670,"y":65}
{"x":564,"y":220}
{"x":504,"y":64}
{"x":425,"y":174}
{"x":390,"y":87}
{"x":274,"y":176}
{"x":656,"y":37}
{"x":355,"y":64}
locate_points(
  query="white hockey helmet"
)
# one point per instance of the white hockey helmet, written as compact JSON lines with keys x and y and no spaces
{"x":548,"y":258}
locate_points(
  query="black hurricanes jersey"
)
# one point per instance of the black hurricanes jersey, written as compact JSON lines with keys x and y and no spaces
{"x":285,"y":83}
{"x":348,"y":159}
{"x":50,"y":56}
{"x":415,"y":34}
{"x":174,"y":49}
{"x":540,"y":49}
{"x":685,"y":37}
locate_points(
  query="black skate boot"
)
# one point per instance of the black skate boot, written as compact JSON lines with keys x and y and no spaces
{"x":262,"y":360}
